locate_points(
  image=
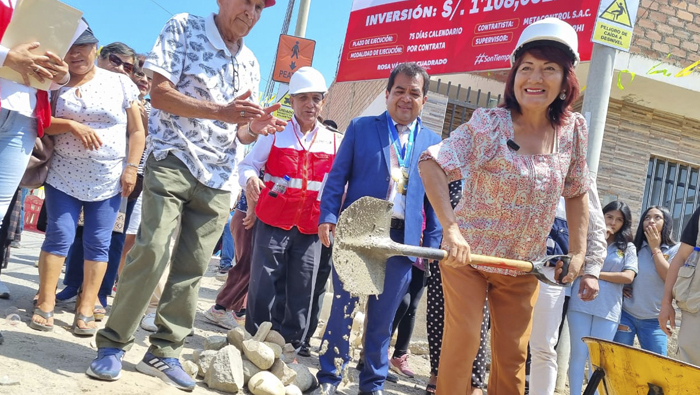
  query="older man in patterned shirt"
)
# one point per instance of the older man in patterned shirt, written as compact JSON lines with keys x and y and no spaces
{"x":205,"y":83}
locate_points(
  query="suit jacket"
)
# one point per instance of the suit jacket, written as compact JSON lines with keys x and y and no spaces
{"x":363,"y":163}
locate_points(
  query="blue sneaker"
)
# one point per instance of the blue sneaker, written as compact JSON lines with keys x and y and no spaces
{"x":108,"y":364}
{"x":167,"y":369}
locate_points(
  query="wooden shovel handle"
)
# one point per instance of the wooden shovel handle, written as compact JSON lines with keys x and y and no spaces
{"x":523,"y":266}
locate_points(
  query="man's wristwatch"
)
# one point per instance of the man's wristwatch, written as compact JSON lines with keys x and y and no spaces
{"x":250,"y":132}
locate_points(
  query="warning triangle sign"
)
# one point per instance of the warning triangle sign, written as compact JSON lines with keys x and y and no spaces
{"x":617,"y":12}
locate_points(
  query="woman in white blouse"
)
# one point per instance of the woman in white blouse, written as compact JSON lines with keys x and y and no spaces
{"x":93,"y":166}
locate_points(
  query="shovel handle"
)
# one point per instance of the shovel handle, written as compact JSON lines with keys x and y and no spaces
{"x":438,"y":255}
{"x":523,"y":266}
{"x":432,"y":254}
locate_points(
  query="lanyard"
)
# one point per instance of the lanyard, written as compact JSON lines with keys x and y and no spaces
{"x":313,"y":140}
{"x":402,"y":154}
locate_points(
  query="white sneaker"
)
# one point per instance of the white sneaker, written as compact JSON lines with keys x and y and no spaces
{"x":4,"y":292}
{"x":148,"y":322}
{"x":221,"y":318}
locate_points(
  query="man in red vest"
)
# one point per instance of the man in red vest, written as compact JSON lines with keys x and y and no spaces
{"x":286,"y":248}
{"x":24,"y":111}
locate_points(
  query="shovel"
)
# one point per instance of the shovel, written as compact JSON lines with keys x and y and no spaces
{"x":362,"y":245}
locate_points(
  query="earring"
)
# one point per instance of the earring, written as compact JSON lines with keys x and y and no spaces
{"x":562,"y":96}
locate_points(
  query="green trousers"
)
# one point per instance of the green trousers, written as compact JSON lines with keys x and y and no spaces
{"x":170,"y":192}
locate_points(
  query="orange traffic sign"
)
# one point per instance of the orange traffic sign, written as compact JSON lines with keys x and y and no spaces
{"x":292,"y":53}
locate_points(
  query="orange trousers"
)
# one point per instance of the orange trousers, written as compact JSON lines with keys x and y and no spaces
{"x":511,"y":302}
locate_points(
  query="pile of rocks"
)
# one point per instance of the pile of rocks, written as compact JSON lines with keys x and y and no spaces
{"x":263,"y":363}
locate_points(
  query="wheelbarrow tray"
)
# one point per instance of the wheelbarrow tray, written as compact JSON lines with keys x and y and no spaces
{"x":631,"y":371}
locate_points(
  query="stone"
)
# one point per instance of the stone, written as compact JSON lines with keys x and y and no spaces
{"x":289,"y":353}
{"x":203,"y":359}
{"x":215,"y":343}
{"x":275,"y":337}
{"x":259,"y":354}
{"x":283,"y":372}
{"x":292,"y":390}
{"x":190,"y":368}
{"x":276,"y":348}
{"x":304,"y":379}
{"x":419,"y":347}
{"x":225,"y":372}
{"x":265,"y":383}
{"x":237,"y":335}
{"x":249,"y":370}
{"x":263,"y":331}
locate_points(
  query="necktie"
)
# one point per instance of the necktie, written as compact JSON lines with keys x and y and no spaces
{"x":403,"y":134}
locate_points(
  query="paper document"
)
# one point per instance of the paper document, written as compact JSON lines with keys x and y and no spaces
{"x":51,"y":23}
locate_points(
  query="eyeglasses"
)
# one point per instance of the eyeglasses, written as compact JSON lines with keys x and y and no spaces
{"x":116,"y":62}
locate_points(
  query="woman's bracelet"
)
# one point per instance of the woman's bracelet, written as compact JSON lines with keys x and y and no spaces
{"x":656,"y":252}
{"x":134,"y":165}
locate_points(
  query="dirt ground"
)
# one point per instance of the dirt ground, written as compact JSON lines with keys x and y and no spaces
{"x":33,"y":362}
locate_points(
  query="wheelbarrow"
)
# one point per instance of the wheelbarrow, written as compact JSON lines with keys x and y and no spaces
{"x":623,"y":370}
{"x":362,"y":245}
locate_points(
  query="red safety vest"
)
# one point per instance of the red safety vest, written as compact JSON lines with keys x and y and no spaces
{"x":299,"y":205}
{"x":43,"y":109}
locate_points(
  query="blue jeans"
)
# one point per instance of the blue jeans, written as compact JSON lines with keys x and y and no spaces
{"x":25,"y":192}
{"x":380,"y":316}
{"x":75,"y":259}
{"x":650,"y":335}
{"x":580,"y":325}
{"x":17,"y":137}
{"x":63,"y":211}
{"x":227,"y":246}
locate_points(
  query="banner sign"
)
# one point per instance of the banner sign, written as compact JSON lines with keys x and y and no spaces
{"x":449,"y":36}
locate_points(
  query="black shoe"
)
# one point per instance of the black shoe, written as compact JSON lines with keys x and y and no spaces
{"x":325,"y":389}
{"x":392,"y":377}
{"x":360,"y":365}
{"x":377,"y":392}
{"x":304,"y":349}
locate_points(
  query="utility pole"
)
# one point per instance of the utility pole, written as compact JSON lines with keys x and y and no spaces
{"x":302,"y":18}
{"x":596,"y":100}
{"x":595,"y":109}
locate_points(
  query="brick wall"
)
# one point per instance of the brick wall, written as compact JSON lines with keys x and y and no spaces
{"x":347,"y":100}
{"x":632,"y":135}
{"x":668,"y":27}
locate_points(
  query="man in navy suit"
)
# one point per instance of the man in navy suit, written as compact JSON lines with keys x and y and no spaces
{"x":379,"y":157}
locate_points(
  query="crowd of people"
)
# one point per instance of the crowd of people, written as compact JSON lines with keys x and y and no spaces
{"x":140,"y":216}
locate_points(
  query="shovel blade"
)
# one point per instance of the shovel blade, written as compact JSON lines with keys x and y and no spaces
{"x":361,"y":228}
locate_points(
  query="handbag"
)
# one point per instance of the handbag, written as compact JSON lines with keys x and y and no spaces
{"x":38,"y":166}
{"x":686,"y":290}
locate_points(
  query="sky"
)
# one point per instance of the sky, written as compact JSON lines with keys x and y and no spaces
{"x":137,"y":23}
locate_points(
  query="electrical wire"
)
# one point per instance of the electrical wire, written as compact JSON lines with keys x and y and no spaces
{"x":163,"y":8}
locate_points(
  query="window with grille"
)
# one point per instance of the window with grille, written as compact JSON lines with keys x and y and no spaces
{"x":674,"y":186}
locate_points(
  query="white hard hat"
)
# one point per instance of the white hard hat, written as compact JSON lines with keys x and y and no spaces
{"x":548,"y":31}
{"x":305,"y":80}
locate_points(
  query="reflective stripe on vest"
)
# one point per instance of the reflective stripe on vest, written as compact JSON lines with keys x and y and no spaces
{"x":295,"y":183}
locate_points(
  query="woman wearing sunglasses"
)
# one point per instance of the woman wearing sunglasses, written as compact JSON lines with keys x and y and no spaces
{"x":117,"y":57}
{"x":93,"y":166}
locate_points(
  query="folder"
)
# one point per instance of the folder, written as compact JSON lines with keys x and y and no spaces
{"x":52,"y":23}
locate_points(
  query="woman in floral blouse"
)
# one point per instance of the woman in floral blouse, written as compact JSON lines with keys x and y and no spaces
{"x":509,"y":200}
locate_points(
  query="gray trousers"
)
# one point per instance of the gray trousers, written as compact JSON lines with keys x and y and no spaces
{"x":283,"y":273}
{"x":170,"y":192}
